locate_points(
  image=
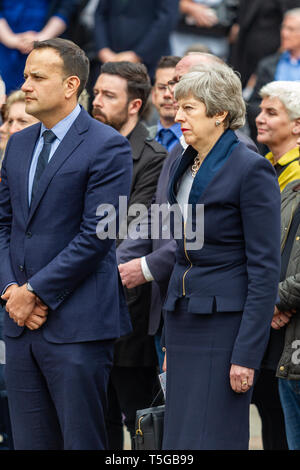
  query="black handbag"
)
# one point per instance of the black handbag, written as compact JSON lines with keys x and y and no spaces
{"x":149,"y":426}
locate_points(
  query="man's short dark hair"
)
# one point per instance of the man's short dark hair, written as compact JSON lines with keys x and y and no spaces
{"x":138,"y":80}
{"x":168,"y":61}
{"x":75,"y":62}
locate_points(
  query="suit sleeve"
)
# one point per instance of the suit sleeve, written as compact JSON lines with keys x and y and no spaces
{"x":100,"y":29}
{"x":260,"y":213}
{"x":110,"y":176}
{"x":6,"y":272}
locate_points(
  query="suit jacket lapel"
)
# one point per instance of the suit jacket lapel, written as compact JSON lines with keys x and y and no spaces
{"x":25,"y":166}
{"x":72,"y":139}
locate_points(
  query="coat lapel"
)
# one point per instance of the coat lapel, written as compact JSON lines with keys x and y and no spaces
{"x":25,"y":163}
{"x":70,"y":142}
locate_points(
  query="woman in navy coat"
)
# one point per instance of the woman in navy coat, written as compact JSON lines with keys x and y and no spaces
{"x":221,"y":296}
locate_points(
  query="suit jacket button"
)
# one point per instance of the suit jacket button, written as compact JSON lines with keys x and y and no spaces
{"x":21,"y":268}
{"x":281,"y":368}
{"x":28,"y":234}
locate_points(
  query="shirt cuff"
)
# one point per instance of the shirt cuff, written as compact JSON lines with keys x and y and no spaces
{"x":146,"y":271}
{"x":6,"y":287}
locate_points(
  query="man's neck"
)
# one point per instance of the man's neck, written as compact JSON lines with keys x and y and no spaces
{"x":128,"y":127}
{"x":51,"y":120}
{"x":166,"y":123}
{"x":295,"y":54}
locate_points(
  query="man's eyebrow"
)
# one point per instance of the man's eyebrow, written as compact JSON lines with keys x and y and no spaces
{"x":34,"y":73}
{"x":107,"y":90}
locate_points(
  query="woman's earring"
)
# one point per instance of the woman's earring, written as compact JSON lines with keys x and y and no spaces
{"x":218,"y":123}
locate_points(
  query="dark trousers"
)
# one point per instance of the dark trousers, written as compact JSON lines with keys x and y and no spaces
{"x":266,"y":398}
{"x":57,"y":392}
{"x":130,"y":389}
{"x":5,"y":426}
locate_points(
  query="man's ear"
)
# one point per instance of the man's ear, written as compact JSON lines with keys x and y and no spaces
{"x":134,"y":106}
{"x":71,"y":86}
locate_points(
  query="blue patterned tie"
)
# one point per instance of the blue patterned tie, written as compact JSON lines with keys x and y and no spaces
{"x":166,"y":137}
{"x":49,"y":137}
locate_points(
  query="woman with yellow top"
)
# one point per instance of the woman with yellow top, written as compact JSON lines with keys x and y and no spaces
{"x":278,"y":127}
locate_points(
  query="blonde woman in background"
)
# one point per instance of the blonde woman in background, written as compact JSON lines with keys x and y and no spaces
{"x":15,"y":118}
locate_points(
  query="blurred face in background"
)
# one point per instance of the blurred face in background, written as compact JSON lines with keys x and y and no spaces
{"x":110,"y":104}
{"x":18,"y":119}
{"x":4,"y":134}
{"x":290,"y":33}
{"x":162,"y":98}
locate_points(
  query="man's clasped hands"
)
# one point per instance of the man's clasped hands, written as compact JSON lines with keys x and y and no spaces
{"x":24,"y":307}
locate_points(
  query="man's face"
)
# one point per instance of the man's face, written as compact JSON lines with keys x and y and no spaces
{"x":290,"y":33}
{"x":45,"y":84}
{"x":110,"y":104}
{"x":161,"y":96}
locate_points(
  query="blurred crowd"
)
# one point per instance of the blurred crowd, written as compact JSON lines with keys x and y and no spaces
{"x":258,"y":39}
{"x":249,"y":36}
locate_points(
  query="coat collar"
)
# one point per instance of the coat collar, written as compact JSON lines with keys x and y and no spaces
{"x":210,"y":167}
{"x":137,"y":140}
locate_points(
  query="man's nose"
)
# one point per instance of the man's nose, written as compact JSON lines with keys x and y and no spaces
{"x":26,"y":85}
{"x":97,"y":101}
{"x":13,"y":128}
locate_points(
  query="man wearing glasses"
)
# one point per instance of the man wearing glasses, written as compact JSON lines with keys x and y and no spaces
{"x":167,"y":132}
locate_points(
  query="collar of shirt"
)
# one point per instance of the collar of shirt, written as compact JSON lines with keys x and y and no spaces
{"x":286,"y":158}
{"x":60,"y":130}
{"x":286,"y":57}
{"x":175,"y":128}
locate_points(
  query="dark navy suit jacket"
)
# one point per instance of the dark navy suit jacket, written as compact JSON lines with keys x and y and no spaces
{"x":141,"y":26}
{"x":53,"y":244}
{"x":237,"y":269}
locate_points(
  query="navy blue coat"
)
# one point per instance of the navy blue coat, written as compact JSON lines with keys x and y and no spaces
{"x":141,"y":26}
{"x":54,"y":244}
{"x":160,"y":253}
{"x":237,"y":269}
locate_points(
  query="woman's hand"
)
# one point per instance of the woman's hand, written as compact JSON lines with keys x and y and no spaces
{"x":241,"y":378}
{"x":280,"y":319}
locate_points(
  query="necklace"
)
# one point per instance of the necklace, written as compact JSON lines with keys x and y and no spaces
{"x":196,"y":165}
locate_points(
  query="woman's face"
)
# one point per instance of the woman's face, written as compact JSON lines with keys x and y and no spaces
{"x":18,"y":119}
{"x":197,"y":128}
{"x":3,"y":134}
{"x":274,"y":126}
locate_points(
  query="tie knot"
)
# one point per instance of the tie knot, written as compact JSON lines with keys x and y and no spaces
{"x":49,"y":137}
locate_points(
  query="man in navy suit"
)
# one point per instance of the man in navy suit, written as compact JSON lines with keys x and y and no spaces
{"x":58,"y":270}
